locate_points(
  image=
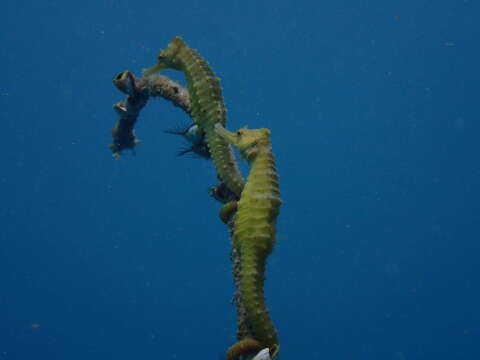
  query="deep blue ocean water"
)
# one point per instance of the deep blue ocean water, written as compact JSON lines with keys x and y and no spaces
{"x":373,"y":108}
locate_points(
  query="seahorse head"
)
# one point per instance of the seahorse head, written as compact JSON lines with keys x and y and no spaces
{"x":249,"y":141}
{"x":167,"y":58}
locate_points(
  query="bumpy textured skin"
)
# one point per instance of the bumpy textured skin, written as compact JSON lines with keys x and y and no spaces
{"x":254,"y":229}
{"x":206,"y":104}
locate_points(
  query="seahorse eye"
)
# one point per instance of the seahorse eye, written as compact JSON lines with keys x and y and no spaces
{"x":239,"y":132}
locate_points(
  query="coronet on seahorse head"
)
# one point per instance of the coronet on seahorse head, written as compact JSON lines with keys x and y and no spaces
{"x":250,"y":142}
{"x":167,"y":58}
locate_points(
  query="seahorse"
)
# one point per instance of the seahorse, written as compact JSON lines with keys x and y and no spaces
{"x":254,"y":234}
{"x":207,"y":105}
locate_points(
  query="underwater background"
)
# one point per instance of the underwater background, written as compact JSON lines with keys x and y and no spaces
{"x":373,"y":108}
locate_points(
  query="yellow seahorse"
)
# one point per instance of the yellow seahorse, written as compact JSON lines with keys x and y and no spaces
{"x":206,"y":103}
{"x":254,"y":234}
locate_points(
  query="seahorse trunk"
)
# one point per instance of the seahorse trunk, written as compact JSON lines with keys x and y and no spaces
{"x":254,"y":237}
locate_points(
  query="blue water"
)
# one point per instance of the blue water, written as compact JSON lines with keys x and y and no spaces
{"x":373,"y":108}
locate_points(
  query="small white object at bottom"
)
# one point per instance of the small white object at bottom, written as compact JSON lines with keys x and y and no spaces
{"x":263,"y":355}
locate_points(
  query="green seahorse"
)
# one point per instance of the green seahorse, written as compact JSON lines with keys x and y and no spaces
{"x":254,"y":230}
{"x":206,"y":103}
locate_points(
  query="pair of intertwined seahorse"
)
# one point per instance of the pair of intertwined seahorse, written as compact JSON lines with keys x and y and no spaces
{"x":259,"y":199}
